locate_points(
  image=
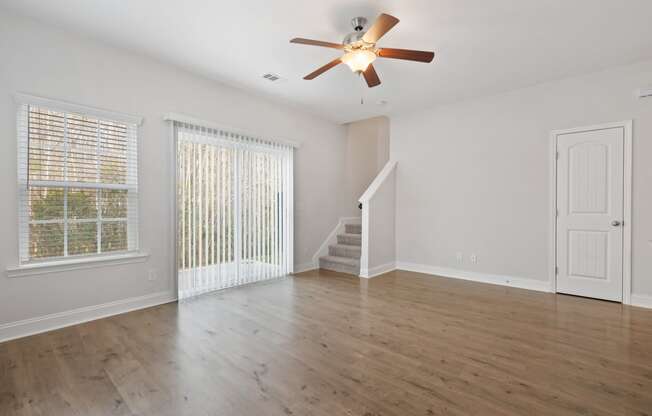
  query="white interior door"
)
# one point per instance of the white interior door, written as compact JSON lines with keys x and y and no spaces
{"x":590,"y":185}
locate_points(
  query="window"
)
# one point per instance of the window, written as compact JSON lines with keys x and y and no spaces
{"x":77,"y":174}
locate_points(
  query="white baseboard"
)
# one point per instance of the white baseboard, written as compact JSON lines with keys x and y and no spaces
{"x":304,"y":267}
{"x":378,"y":270}
{"x":643,"y":301}
{"x":519,"y":282}
{"x":31,"y":326}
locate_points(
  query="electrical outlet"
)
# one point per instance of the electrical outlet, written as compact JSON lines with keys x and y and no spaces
{"x":474,"y":258}
{"x":152,"y":275}
{"x":460,"y":257}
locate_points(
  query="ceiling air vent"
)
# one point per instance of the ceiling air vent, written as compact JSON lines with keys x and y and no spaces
{"x":271,"y":77}
{"x":644,"y":93}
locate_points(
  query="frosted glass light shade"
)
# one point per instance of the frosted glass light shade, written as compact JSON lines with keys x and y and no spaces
{"x":359,"y":60}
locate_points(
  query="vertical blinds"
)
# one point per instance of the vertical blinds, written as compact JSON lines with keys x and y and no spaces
{"x":78,"y":184}
{"x":234,"y":209}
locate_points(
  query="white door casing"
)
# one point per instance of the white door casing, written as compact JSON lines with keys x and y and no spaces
{"x":590,"y":201}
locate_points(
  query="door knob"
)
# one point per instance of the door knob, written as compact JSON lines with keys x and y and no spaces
{"x":616,"y":223}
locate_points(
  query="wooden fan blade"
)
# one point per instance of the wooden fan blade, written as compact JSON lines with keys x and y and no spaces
{"x":323,"y":69}
{"x":407,"y":54}
{"x":317,"y":43}
{"x":381,"y":26}
{"x":371,"y":76}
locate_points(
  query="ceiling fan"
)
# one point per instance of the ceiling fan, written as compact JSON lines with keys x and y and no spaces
{"x":360,"y":49}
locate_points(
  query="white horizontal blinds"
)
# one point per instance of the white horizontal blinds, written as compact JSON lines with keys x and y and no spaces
{"x":78,"y":184}
{"x":232,"y":209}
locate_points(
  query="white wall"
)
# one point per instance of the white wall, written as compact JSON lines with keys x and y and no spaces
{"x":474,"y":176}
{"x":50,"y":63}
{"x":367,"y":152}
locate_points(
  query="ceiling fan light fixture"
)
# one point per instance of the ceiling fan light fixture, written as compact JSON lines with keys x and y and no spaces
{"x":359,"y":60}
{"x":360,"y":49}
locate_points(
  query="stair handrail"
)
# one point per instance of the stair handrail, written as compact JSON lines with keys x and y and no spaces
{"x":378,"y":180}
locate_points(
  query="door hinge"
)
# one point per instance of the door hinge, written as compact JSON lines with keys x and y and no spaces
{"x":556,"y":269}
{"x":557,"y":156}
{"x":557,"y":212}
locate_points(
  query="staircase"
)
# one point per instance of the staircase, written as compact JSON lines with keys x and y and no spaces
{"x":344,"y":257}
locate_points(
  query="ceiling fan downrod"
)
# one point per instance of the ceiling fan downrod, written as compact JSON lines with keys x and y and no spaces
{"x":358,"y":23}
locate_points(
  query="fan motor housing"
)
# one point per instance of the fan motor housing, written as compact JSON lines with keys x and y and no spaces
{"x":353,"y":37}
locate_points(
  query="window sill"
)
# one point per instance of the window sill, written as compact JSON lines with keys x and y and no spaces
{"x":76,"y":264}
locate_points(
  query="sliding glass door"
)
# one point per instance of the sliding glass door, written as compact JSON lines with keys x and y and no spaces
{"x":234,"y":209}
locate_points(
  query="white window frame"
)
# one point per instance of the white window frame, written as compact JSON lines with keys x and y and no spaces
{"x":27,"y":266}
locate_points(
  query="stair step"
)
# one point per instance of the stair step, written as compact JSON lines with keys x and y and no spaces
{"x":353,"y":228}
{"x":340,"y":264}
{"x":349,"y":239}
{"x":342,"y":260}
{"x":344,"y":250}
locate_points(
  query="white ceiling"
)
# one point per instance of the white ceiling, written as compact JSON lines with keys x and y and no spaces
{"x":482,"y":47}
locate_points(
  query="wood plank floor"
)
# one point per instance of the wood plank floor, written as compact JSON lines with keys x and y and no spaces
{"x":325,"y":344}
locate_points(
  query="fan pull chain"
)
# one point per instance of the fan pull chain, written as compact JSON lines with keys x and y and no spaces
{"x":362,"y":90}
